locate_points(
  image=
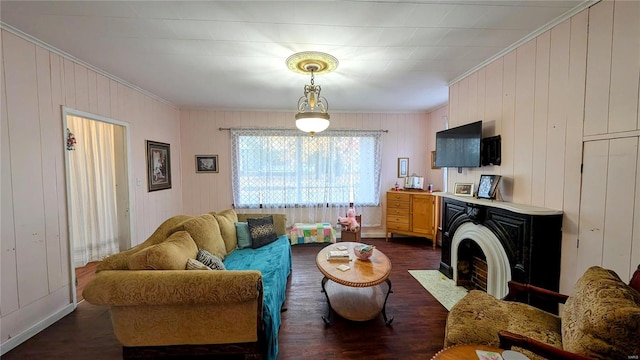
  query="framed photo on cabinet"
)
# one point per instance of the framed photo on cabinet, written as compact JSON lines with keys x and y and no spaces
{"x":403,"y":167}
{"x":158,"y":166}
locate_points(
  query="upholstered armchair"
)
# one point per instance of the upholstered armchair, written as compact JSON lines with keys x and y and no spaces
{"x":600,"y":320}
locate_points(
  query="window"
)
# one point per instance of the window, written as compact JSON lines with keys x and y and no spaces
{"x":286,"y":168}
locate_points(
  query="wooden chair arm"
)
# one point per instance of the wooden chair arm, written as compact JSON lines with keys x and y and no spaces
{"x":517,"y":290}
{"x":509,"y":339}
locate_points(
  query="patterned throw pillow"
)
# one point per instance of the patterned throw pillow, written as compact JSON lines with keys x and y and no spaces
{"x":193,"y":264}
{"x":243,"y":235}
{"x":210,"y":260}
{"x":262,"y":232}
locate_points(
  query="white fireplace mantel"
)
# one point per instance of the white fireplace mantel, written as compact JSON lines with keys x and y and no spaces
{"x":515,"y":207}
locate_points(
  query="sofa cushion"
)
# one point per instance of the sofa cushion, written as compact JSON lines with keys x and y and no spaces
{"x":193,"y":264}
{"x":205,"y":232}
{"x":171,"y":254}
{"x":210,"y":260}
{"x":120,"y":261}
{"x":262,"y":232}
{"x":226,"y":220}
{"x":243,"y":235}
{"x":279,"y":221}
{"x":602,"y":318}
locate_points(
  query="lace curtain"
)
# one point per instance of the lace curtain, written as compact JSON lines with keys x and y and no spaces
{"x":93,"y":196}
{"x":310,"y":179}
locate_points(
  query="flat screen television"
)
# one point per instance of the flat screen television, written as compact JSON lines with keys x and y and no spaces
{"x":460,"y":146}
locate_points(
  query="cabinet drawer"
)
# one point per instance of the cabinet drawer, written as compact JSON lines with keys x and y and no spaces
{"x":398,"y":205}
{"x":397,"y":226}
{"x":398,"y":212}
{"x":397,"y":219}
{"x":396,"y":196}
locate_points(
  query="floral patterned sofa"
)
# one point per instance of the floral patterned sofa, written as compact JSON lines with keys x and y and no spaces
{"x":600,"y":320}
{"x":159,"y":308}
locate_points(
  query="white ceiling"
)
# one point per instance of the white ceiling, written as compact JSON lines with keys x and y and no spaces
{"x":395,"y":56}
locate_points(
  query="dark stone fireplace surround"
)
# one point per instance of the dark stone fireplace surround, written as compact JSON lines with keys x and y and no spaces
{"x":531,"y":237}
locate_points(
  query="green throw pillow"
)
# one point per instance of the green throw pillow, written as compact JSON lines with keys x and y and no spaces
{"x":243,"y":235}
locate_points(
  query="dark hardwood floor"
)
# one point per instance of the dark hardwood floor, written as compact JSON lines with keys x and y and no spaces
{"x":417,"y":331}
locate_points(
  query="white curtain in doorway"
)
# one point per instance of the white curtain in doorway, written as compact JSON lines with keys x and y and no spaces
{"x":93,"y":196}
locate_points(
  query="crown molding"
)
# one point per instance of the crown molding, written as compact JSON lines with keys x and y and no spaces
{"x":38,"y":42}
{"x":584,"y":5}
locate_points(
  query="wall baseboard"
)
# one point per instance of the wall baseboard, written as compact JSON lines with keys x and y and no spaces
{"x":13,"y":342}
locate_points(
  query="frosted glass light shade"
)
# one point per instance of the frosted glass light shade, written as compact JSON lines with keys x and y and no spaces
{"x":312,"y":124}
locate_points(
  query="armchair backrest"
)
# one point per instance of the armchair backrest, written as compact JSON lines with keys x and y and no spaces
{"x":600,"y":319}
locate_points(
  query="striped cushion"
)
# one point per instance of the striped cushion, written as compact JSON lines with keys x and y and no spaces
{"x":193,"y":264}
{"x":210,"y":260}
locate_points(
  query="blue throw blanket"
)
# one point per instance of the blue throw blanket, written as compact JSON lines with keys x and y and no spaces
{"x":274,"y":262}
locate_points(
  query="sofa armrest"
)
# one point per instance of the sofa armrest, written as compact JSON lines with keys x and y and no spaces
{"x":519,"y":290}
{"x":509,"y":339}
{"x":169,"y":287}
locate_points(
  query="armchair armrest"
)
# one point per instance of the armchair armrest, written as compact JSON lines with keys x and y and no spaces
{"x":509,"y":339}
{"x":518,"y":290}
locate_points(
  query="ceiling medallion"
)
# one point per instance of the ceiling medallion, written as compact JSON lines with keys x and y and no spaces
{"x":303,"y":62}
{"x":312,"y":116}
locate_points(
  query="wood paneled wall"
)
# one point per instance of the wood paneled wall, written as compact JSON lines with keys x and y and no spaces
{"x":609,"y":229}
{"x":438,"y":119}
{"x":574,"y":83}
{"x":36,"y":83}
{"x":200,"y":135}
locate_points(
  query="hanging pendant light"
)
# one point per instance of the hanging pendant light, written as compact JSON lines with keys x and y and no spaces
{"x":313,"y":116}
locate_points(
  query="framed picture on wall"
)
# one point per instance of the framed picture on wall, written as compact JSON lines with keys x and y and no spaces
{"x":403,"y":167}
{"x":206,"y":163}
{"x":433,"y":160}
{"x":158,"y":166}
{"x":488,"y":186}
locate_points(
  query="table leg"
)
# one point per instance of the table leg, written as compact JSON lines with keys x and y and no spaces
{"x":327,"y":319}
{"x":384,"y":306}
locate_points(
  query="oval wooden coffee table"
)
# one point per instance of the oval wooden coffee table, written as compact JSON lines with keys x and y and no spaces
{"x":354,"y":294}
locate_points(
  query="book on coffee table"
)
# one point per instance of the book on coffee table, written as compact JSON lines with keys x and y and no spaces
{"x":338,"y":255}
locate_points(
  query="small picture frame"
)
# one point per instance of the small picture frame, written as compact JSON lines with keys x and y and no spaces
{"x":463,"y":189}
{"x":158,"y":166}
{"x":488,"y":186}
{"x":207,"y":163}
{"x":433,"y":160}
{"x":403,"y":167}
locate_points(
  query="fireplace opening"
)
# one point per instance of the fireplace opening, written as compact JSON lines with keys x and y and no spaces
{"x":483,"y":243}
{"x":472,"y":266}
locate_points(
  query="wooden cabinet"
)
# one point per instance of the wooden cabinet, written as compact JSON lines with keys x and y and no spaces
{"x":412,"y":213}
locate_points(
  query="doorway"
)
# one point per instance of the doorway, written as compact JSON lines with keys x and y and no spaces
{"x":98,"y":198}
